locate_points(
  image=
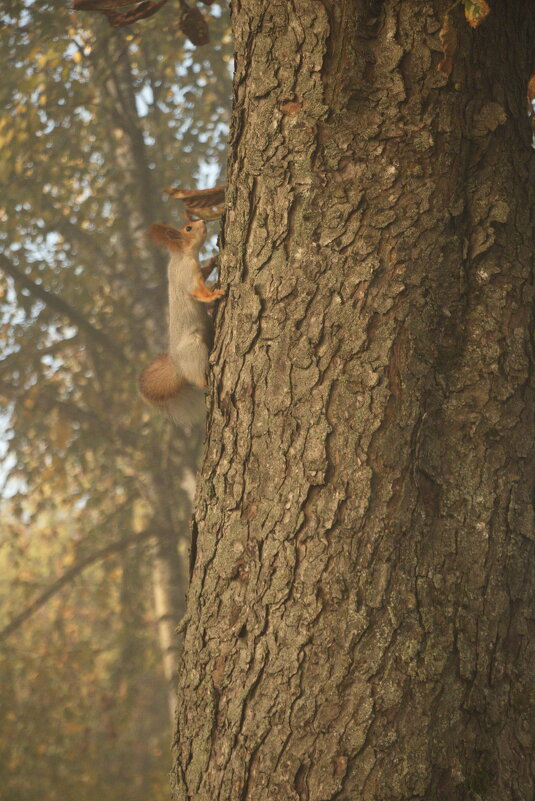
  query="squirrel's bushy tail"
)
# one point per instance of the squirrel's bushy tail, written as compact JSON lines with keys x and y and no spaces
{"x":161,"y":385}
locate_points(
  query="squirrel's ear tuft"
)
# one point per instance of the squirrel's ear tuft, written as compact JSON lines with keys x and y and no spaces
{"x":164,"y":236}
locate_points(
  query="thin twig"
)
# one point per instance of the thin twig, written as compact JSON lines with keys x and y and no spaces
{"x":61,"y":306}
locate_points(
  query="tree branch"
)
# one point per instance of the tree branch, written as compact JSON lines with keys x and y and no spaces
{"x":120,"y":89}
{"x":69,"y":575}
{"x":61,"y":306}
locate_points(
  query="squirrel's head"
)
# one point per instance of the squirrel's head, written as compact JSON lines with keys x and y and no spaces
{"x":188,"y":238}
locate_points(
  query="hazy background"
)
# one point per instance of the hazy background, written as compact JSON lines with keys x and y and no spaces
{"x":95,"y":489}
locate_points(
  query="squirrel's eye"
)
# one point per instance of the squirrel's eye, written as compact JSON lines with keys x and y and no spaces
{"x":188,"y":227}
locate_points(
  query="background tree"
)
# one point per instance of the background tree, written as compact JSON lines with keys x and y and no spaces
{"x":360,"y":615}
{"x":97,"y":489}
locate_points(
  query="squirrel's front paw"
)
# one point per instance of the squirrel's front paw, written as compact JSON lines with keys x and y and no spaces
{"x":206,"y":295}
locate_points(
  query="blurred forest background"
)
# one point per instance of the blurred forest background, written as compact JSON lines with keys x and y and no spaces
{"x":95,"y":489}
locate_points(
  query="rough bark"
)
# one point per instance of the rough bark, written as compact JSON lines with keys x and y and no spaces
{"x":361,"y":610}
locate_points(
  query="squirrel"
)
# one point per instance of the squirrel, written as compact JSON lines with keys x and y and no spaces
{"x":175,"y":382}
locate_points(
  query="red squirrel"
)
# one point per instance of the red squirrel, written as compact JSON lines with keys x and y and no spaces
{"x":174,"y":382}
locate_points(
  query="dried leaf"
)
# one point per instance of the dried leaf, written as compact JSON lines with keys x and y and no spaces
{"x":205,"y":213}
{"x":476,"y":11}
{"x":208,"y":197}
{"x":209,"y":204}
{"x":448,"y":40}
{"x":100,"y":5}
{"x":193,"y":26}
{"x":141,"y":11}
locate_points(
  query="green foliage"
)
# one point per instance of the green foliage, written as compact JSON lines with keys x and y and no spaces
{"x":97,"y":122}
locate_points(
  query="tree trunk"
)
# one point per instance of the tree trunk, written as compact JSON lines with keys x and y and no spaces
{"x":168,"y":606}
{"x":361,"y":610}
{"x":169,"y":556}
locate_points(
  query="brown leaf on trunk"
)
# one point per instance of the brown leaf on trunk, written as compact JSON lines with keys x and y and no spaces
{"x":476,"y":11}
{"x":141,"y":11}
{"x":448,"y":40}
{"x":193,"y":26}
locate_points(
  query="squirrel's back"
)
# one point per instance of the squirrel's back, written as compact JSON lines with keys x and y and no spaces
{"x":187,"y":316}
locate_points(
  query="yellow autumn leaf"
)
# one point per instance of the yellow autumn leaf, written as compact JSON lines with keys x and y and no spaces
{"x":139,"y":515}
{"x":76,"y":56}
{"x":476,"y":11}
{"x":60,"y":434}
{"x":6,"y":138}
